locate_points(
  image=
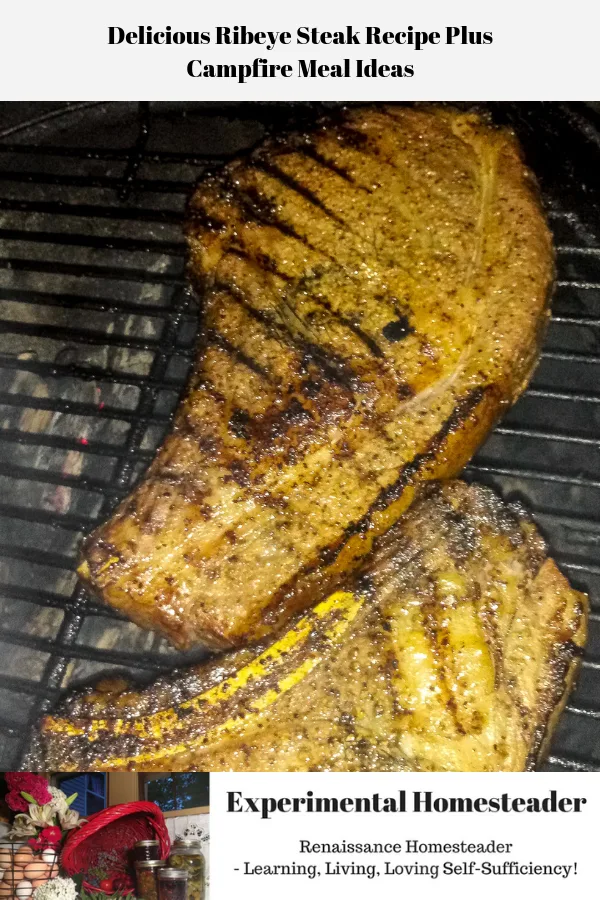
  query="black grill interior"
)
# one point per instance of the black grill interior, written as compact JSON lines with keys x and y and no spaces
{"x":96,"y":337}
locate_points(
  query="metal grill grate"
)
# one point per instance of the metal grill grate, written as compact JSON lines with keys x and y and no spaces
{"x":96,"y":337}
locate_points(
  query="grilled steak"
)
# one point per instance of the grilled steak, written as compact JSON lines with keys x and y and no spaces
{"x":452,"y":650}
{"x":374,"y":295}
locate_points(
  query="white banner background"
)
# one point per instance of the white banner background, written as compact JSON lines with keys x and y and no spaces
{"x":545,"y":838}
{"x":60,"y":51}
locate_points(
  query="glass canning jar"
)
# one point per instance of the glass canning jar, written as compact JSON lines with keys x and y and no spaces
{"x":186,"y":853}
{"x":145,"y":850}
{"x":145,"y":878}
{"x":172,"y":884}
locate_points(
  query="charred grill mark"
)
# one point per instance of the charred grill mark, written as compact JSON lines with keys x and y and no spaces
{"x":438,"y":643}
{"x":259,"y":315}
{"x":488,"y":616}
{"x":212,"y":336}
{"x":205,"y":384}
{"x":398,"y":329}
{"x":350,"y":137}
{"x":333,"y":366}
{"x":328,"y":555}
{"x":202,"y":219}
{"x":238,"y":472}
{"x":294,"y":185}
{"x":353,"y":326}
{"x":404,"y":391}
{"x":261,"y":261}
{"x":356,"y":140}
{"x":311,"y":151}
{"x":363,"y":336}
{"x":460,"y":414}
{"x":238,"y":423}
{"x":266,"y":431}
{"x":259,"y":208}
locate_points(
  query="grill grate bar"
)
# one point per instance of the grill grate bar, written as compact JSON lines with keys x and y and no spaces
{"x":88,"y":210}
{"x":573,"y":764}
{"x":90,"y":271}
{"x":42,"y":557}
{"x":136,"y":154}
{"x":584,"y":567}
{"x":47,"y":476}
{"x":95,"y":242}
{"x":80,"y":301}
{"x":56,"y":601}
{"x":80,"y":335}
{"x":75,"y":407}
{"x":65,"y":521}
{"x":12,"y":435}
{"x":586,"y":321}
{"x":45,"y":598}
{"x":583,"y":711}
{"x":108,"y":155}
{"x":22,"y":686}
{"x":571,"y":396}
{"x":571,"y":356}
{"x":588,"y":663}
{"x":518,"y":472}
{"x":79,"y":651}
{"x":580,"y":285}
{"x":85,"y":373}
{"x":576,"y":249}
{"x":538,"y":434}
{"x":144,"y":185}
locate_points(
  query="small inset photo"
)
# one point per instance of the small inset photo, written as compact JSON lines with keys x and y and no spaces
{"x":95,"y":836}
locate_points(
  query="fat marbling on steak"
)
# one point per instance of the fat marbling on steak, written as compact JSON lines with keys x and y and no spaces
{"x":453,"y":649}
{"x":374,"y":293}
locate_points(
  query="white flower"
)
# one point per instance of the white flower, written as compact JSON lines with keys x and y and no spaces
{"x":56,"y":889}
{"x":59,"y":800}
{"x":42,"y":816}
{"x":22,"y":827}
{"x":69,"y":819}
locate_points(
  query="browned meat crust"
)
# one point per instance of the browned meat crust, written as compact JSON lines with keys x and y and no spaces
{"x":453,"y":650}
{"x":375,"y":296}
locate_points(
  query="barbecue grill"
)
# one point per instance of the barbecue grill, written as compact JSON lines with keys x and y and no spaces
{"x":97,"y":331}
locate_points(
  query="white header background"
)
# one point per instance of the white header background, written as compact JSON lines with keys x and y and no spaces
{"x":60,"y":50}
{"x":544,"y":838}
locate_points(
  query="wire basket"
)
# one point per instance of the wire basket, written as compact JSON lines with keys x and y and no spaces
{"x":24,"y":869}
{"x":102,"y":847}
